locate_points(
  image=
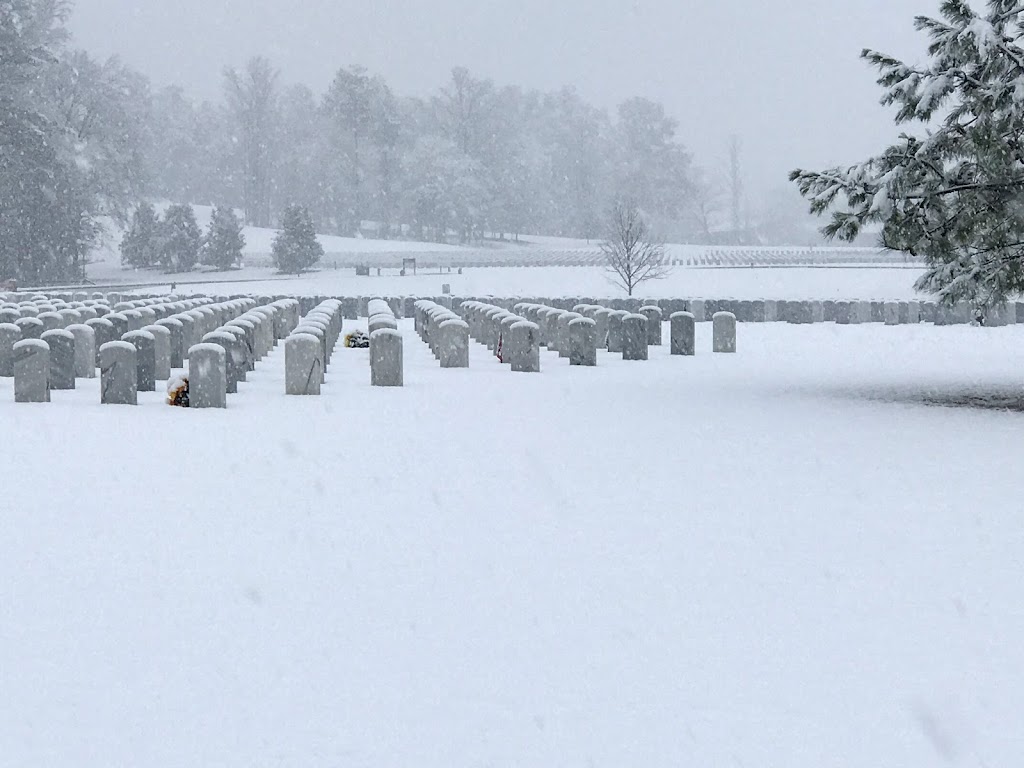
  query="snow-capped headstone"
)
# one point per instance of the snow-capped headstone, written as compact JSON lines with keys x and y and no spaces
{"x":303,"y":364}
{"x":235,"y":355}
{"x":583,"y":341}
{"x":85,"y":351}
{"x":891,"y":313}
{"x":62,"y":358}
{"x":118,"y":374}
{"x":654,"y":320}
{"x":453,"y":343}
{"x":525,"y":347}
{"x":177,"y":330}
{"x":31,"y":371}
{"x":564,"y":337}
{"x":207,"y":377}
{"x":10,"y":334}
{"x":145,"y":358}
{"x":634,"y":337}
{"x":51,"y":321}
{"x":103,"y":331}
{"x":683,"y":334}
{"x":386,"y":363}
{"x":31,"y":327}
{"x":724,"y":332}
{"x":161,"y":351}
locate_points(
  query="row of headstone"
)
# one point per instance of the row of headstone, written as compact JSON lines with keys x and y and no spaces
{"x":795,"y":312}
{"x":511,"y":337}
{"x":444,"y":332}
{"x":387,"y":362}
{"x":309,"y":347}
{"x":133,"y":359}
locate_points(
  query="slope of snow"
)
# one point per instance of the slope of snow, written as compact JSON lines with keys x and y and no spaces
{"x":746,"y":283}
{"x":775,"y":558}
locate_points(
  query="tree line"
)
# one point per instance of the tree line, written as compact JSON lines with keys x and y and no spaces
{"x":82,"y":139}
{"x":473,"y":160}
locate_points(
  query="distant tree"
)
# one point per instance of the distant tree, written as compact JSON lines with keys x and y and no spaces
{"x":224,"y":240}
{"x":631,"y":254}
{"x":705,"y":202}
{"x":952,"y":195}
{"x":140,"y":244}
{"x":651,"y":164}
{"x":295,"y":247}
{"x":181,"y":239}
{"x":252,"y":102}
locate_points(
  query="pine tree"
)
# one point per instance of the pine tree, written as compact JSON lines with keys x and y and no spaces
{"x":224,"y":241}
{"x":139,"y":245}
{"x":181,"y":239}
{"x":296,"y":247}
{"x":951,"y":196}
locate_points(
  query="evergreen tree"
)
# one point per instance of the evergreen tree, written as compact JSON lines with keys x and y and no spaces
{"x":140,"y":245}
{"x":181,"y":239}
{"x":953,"y":195}
{"x":224,"y":241}
{"x":295,"y":246}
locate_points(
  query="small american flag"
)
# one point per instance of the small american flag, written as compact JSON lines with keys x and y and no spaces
{"x":498,"y":350}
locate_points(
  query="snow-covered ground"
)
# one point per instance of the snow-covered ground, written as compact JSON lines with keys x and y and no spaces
{"x":777,"y":558}
{"x":748,"y":283}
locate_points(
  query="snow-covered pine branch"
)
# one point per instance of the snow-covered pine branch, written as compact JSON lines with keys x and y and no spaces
{"x":955,"y":196}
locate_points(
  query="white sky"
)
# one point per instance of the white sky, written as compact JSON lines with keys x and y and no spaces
{"x":785,"y":76}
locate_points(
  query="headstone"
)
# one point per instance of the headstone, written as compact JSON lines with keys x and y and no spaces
{"x":684,"y":334}
{"x":303,"y":364}
{"x":564,"y":339}
{"x":453,"y":344}
{"x":10,"y":334}
{"x":235,"y":355}
{"x":724,"y":332}
{"x":31,"y":327}
{"x":177,"y":330}
{"x":85,"y":351}
{"x":51,"y":321}
{"x":654,"y":319}
{"x":843,"y":313}
{"x":62,"y":358}
{"x":913,"y":312}
{"x":103,"y":331}
{"x":207,"y":377}
{"x":634,"y":337}
{"x":583,"y":341}
{"x":145,"y":359}
{"x":120,"y":323}
{"x":697,"y":310}
{"x":31,"y":371}
{"x":602,"y":317}
{"x":161,"y":350}
{"x":118,"y":374}
{"x":615,"y":330}
{"x":891,"y":313}
{"x":525,"y":347}
{"x":386,"y":358}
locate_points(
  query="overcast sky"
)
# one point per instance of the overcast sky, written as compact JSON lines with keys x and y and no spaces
{"x":784,"y":76}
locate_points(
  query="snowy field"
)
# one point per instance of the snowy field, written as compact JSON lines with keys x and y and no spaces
{"x":784,"y":557}
{"x":749,"y":283}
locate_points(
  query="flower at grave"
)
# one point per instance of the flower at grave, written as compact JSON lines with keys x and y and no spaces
{"x":177,"y":391}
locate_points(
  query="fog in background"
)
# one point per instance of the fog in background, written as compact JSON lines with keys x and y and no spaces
{"x":785,"y":77}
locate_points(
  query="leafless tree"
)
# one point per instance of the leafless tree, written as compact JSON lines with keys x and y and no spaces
{"x":705,"y":202}
{"x":632,"y":255}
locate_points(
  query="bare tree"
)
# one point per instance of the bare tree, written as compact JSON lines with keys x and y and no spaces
{"x":632,"y":255}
